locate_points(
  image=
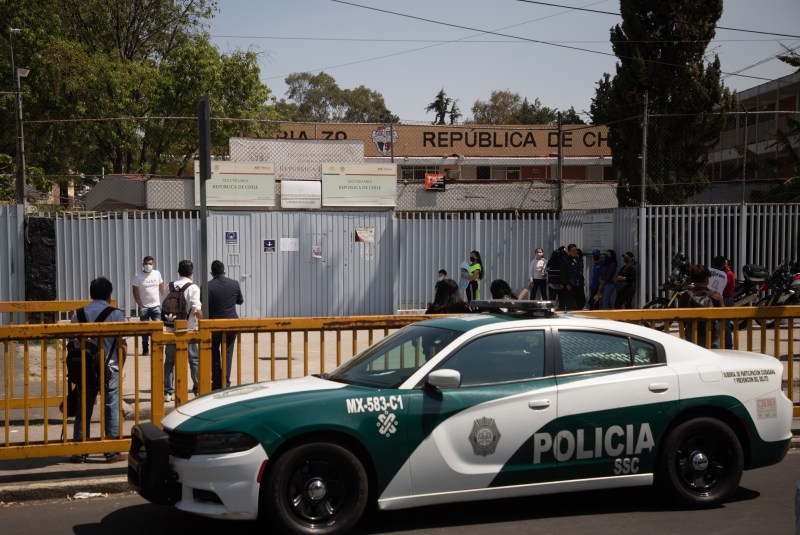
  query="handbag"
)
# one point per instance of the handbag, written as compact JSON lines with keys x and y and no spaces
{"x":72,"y":402}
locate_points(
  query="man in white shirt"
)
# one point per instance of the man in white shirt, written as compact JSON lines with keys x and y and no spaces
{"x":194,"y":309}
{"x":148,"y":287}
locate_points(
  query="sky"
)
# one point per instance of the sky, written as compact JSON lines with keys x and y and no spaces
{"x":409,"y":60}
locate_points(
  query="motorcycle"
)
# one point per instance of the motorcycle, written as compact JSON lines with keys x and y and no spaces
{"x":677,"y":282}
{"x":746,"y":292}
{"x":782,"y":287}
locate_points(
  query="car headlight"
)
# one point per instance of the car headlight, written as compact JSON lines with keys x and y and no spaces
{"x":216,"y":443}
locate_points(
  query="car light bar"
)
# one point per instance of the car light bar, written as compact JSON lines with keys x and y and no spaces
{"x":544,"y":308}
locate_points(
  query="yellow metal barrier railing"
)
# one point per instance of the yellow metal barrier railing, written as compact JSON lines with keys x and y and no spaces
{"x":34,"y":382}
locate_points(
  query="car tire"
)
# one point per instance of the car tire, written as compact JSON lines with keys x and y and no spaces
{"x":319,"y":488}
{"x":701,"y":463}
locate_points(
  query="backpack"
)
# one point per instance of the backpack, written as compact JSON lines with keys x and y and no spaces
{"x":90,"y":354}
{"x":700,"y":300}
{"x":174,"y":305}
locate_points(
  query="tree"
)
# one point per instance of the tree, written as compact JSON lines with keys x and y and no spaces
{"x":501,"y":108}
{"x":114,"y":85}
{"x":790,"y":57}
{"x":318,"y":98}
{"x":661,"y":47}
{"x":505,"y":107}
{"x":454,"y":113}
{"x":439,"y":106}
{"x":571,"y":117}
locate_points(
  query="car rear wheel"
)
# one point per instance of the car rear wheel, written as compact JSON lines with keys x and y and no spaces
{"x":701,"y":463}
{"x":316,"y":488}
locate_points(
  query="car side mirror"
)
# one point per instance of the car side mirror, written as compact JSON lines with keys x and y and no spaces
{"x":444,"y":379}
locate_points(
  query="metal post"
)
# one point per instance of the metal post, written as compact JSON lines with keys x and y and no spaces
{"x":643,"y":194}
{"x":744,"y":152}
{"x":19,"y":259}
{"x":560,"y":168}
{"x":204,"y":127}
{"x":643,"y":203}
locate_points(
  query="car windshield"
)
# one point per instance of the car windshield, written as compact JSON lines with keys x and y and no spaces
{"x":394,"y":359}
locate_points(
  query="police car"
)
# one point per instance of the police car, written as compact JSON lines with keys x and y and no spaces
{"x":472,"y":407}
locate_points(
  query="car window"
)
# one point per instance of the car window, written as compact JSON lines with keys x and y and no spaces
{"x":585,"y":351}
{"x":499,"y":358}
{"x":395,"y":358}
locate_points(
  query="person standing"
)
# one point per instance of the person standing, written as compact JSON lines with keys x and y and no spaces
{"x":100,"y":291}
{"x":555,"y":286}
{"x":724,"y":264}
{"x":476,"y":272}
{"x":195,"y":313}
{"x":595,"y":295}
{"x":223,"y":296}
{"x":537,"y":275}
{"x":700,"y":292}
{"x":625,"y":283}
{"x":148,"y":287}
{"x":607,"y":276}
{"x":573,"y":279}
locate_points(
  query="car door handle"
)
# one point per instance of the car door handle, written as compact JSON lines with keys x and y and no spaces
{"x":658,"y":387}
{"x":539,"y":404}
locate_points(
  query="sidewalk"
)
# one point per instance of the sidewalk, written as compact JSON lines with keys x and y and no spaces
{"x":53,"y":478}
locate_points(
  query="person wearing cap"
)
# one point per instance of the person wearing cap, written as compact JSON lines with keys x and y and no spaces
{"x":593,"y":303}
{"x":625,"y":284}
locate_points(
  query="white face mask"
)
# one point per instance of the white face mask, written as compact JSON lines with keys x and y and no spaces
{"x":147,"y":268}
{"x":539,"y":255}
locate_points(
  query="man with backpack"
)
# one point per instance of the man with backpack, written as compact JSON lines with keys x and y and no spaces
{"x":182,"y":302}
{"x":701,"y":296}
{"x":99,"y":310}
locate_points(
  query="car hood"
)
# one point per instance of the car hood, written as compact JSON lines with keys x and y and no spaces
{"x":242,"y":399}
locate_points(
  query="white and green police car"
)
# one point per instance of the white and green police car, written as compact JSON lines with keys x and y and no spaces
{"x":472,"y":407}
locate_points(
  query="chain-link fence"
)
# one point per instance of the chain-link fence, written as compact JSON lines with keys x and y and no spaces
{"x":735,"y":157}
{"x":742,"y":157}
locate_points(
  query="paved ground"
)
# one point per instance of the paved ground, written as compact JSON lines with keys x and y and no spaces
{"x":55,"y":477}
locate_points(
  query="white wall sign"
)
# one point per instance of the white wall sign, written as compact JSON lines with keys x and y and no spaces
{"x":598,"y":232}
{"x":244,"y":184}
{"x":371,"y":185}
{"x":301,"y":194}
{"x":290,"y":244}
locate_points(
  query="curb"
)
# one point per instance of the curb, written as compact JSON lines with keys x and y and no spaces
{"x":117,"y":484}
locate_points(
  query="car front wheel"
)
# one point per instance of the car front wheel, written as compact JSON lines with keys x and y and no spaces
{"x":316,"y":488}
{"x":701,"y":462}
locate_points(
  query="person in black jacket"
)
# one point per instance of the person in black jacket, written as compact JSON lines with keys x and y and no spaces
{"x":223,"y":296}
{"x":555,"y":285}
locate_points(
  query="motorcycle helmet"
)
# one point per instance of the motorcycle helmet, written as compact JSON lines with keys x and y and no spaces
{"x":679,"y":260}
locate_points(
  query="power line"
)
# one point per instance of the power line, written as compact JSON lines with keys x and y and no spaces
{"x":619,"y":15}
{"x":538,"y":41}
{"x":445,"y":41}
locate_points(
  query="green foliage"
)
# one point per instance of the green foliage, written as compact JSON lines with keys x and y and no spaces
{"x":318,"y":98}
{"x":505,"y":107}
{"x":661,"y":47}
{"x":440,"y":107}
{"x":114,"y":87}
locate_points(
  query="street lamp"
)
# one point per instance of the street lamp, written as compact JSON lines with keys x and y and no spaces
{"x":19,"y":72}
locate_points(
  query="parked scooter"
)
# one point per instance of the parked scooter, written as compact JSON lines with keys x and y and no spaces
{"x":746,"y":291}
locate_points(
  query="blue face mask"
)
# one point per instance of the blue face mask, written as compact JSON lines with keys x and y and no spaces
{"x":147,"y":268}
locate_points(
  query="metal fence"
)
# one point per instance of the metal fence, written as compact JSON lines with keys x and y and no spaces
{"x":318,"y":263}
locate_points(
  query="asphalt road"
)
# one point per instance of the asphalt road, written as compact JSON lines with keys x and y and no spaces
{"x":764,"y":504}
